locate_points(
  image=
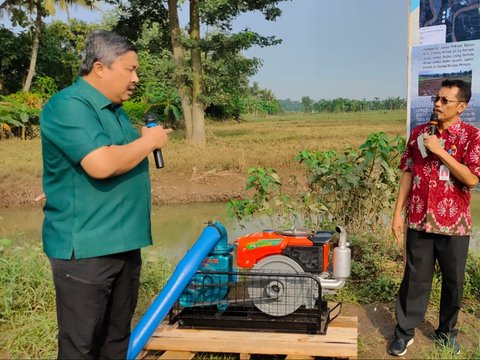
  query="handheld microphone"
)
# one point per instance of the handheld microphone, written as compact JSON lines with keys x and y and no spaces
{"x":433,"y":123}
{"x":151,"y":121}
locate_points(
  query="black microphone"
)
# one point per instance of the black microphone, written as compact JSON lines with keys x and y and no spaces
{"x":433,"y":123}
{"x":151,"y":121}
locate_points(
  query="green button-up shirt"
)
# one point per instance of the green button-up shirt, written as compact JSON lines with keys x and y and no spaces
{"x":88,"y":217}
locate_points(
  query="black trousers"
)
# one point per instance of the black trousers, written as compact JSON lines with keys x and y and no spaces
{"x":96,"y":298}
{"x":423,"y":250}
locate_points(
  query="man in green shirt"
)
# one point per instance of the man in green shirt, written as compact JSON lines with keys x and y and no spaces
{"x":97,"y":210}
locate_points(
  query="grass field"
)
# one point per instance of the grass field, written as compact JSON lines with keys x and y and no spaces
{"x":255,"y":142}
{"x":268,"y":141}
{"x":274,"y":141}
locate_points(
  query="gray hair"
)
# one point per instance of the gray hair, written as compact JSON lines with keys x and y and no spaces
{"x":105,"y":47}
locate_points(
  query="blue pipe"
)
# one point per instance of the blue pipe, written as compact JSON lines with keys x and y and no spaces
{"x":174,"y":287}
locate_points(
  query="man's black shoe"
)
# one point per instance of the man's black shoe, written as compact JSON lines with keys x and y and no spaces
{"x":398,"y":347}
{"x":448,"y":341}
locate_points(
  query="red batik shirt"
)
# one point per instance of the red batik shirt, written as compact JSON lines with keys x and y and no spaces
{"x":434,"y":205}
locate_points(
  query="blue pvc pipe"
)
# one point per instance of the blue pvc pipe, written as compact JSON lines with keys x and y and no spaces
{"x":174,"y":287}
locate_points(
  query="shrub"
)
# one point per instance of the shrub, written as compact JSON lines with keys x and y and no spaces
{"x":135,"y":111}
{"x":376,"y":271}
{"x":44,"y":86}
{"x":359,"y":186}
{"x":20,"y":110}
{"x":354,"y":190}
{"x":472,"y":278}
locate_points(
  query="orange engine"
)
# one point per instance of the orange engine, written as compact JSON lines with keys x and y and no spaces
{"x":309,"y":249}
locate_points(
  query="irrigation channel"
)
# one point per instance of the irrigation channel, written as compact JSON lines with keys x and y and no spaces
{"x":175,"y":227}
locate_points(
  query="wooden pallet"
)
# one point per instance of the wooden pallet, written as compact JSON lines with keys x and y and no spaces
{"x":340,"y":341}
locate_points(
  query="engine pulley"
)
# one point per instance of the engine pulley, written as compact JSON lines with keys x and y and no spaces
{"x":274,"y":293}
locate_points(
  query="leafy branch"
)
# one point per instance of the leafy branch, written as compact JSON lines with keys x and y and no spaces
{"x":354,"y":189}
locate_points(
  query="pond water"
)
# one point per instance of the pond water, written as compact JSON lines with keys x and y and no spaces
{"x":175,"y":227}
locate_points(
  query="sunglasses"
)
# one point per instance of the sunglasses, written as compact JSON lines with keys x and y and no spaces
{"x":443,"y":100}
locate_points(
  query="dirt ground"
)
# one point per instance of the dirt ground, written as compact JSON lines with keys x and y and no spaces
{"x":189,"y":187}
{"x":376,"y":327}
{"x":167,"y":187}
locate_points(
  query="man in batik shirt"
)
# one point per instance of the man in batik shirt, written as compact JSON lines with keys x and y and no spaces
{"x":438,"y":172}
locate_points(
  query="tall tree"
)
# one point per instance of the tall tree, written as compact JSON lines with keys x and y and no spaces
{"x":198,"y":136}
{"x":23,"y":10}
{"x":189,"y":73}
{"x":307,"y":103}
{"x":15,"y":48}
{"x":180,"y":63}
{"x":60,"y":49}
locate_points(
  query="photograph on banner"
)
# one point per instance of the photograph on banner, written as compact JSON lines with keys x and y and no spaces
{"x":444,"y":44}
{"x":430,"y":65}
{"x":449,"y":21}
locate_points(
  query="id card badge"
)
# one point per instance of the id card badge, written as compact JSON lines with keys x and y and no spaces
{"x":444,"y":173}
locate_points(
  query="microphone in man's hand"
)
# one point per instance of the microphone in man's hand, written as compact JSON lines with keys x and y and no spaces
{"x":151,"y":121}
{"x":433,"y":123}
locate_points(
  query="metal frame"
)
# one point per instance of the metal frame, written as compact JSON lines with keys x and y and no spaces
{"x":239,"y":312}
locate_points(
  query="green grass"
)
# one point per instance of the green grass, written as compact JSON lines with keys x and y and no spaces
{"x":438,"y":352}
{"x":27,"y":311}
{"x":28,"y":325}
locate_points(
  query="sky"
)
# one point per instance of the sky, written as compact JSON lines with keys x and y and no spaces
{"x":339,"y":48}
{"x":354,"y":49}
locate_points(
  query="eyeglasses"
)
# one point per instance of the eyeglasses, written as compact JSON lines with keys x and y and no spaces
{"x":443,"y":100}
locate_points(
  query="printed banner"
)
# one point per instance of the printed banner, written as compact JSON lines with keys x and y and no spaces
{"x":444,"y":44}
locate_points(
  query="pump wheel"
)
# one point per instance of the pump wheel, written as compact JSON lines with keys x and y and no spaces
{"x":277,"y":295}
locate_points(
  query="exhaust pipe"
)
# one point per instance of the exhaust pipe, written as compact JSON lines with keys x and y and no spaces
{"x":331,"y":284}
{"x":342,"y":256}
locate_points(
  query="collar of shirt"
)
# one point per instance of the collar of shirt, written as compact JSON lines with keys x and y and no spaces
{"x":98,"y":98}
{"x":455,"y":127}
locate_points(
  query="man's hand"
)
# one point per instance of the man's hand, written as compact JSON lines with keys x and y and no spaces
{"x":40,"y":197}
{"x":398,"y":225}
{"x":398,"y":228}
{"x":114,"y":160}
{"x":431,"y":143}
{"x":156,"y":135}
{"x":460,"y":171}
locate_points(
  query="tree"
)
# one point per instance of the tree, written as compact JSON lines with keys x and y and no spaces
{"x":198,"y":136}
{"x":262,"y":101}
{"x":289,"y":105}
{"x":59,"y":52}
{"x":226,"y":73}
{"x":307,"y":103}
{"x":189,"y":74}
{"x":58,"y":55}
{"x":180,"y":63}
{"x":21,"y":10}
{"x":13,"y":60}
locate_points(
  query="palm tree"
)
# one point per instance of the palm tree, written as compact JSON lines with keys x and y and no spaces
{"x":255,"y":89}
{"x":267,"y":95}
